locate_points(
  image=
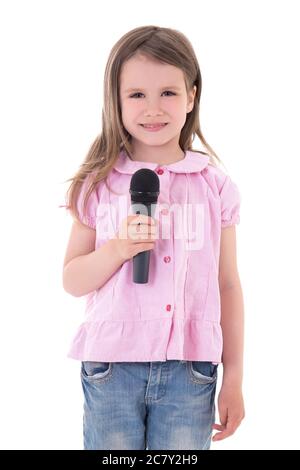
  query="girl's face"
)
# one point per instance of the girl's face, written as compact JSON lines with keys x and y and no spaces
{"x":152,"y":92}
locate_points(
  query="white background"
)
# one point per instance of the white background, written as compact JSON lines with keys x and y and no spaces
{"x":53,"y":55}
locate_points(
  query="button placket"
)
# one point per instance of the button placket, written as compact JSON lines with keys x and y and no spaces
{"x":167,"y":259}
{"x":165,"y":211}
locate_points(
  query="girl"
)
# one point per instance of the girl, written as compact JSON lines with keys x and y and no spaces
{"x":149,"y":352}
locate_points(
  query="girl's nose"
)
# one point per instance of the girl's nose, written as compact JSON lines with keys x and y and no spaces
{"x":153,"y":107}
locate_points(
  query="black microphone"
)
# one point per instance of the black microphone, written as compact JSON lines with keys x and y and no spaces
{"x":144,"y":190}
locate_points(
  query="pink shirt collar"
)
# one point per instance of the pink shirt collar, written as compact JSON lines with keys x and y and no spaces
{"x":191,"y":163}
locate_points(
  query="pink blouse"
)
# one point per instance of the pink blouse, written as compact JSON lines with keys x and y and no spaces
{"x":176,"y":315}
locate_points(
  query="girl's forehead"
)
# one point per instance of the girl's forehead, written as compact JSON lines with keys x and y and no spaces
{"x":137,"y":62}
{"x":135,"y":73}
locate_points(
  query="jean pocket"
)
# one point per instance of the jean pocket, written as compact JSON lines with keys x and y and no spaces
{"x":96,"y":371}
{"x":203,"y":372}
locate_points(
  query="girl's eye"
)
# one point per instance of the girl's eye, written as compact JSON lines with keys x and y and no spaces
{"x":134,"y":95}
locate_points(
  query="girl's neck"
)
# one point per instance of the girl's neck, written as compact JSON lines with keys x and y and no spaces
{"x":160,"y":161}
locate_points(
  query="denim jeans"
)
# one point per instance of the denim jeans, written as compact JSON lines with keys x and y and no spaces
{"x":148,"y":405}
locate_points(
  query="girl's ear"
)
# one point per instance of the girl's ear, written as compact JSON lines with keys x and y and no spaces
{"x":191,"y":97}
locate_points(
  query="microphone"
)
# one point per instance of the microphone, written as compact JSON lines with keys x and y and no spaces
{"x":144,"y":190}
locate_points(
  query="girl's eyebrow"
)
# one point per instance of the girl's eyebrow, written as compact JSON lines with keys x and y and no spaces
{"x":141,"y":89}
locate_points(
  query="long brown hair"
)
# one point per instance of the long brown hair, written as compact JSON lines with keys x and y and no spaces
{"x":164,"y":45}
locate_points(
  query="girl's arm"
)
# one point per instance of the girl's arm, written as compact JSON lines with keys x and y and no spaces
{"x":230,"y":401}
{"x":86,"y":269}
{"x":232,"y":308}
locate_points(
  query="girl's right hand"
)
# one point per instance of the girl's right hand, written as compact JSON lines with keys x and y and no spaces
{"x":137,"y":233}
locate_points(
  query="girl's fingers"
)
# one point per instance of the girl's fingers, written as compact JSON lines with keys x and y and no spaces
{"x":219,"y":427}
{"x":142,"y":219}
{"x":222,"y":435}
{"x":226,"y":431}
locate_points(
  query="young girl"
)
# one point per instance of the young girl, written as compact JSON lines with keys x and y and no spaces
{"x":149,"y":352}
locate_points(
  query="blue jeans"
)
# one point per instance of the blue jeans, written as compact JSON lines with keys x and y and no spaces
{"x":148,"y":405}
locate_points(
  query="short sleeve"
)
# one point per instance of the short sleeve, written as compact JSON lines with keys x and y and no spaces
{"x":89,"y":217}
{"x":230,"y":203}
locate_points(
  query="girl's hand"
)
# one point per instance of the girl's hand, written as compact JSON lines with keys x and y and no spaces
{"x":137,"y":233}
{"x":231,"y":411}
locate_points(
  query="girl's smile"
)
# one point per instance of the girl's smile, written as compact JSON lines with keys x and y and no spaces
{"x":153,"y":127}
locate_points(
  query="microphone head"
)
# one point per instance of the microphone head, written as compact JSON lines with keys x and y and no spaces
{"x":144,"y":186}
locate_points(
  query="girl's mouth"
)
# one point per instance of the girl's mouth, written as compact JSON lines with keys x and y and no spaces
{"x":153,"y":128}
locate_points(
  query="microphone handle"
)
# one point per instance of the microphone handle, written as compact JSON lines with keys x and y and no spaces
{"x":141,"y":261}
{"x":141,"y":267}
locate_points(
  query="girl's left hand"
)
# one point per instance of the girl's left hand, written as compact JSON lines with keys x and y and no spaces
{"x":231,"y":411}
